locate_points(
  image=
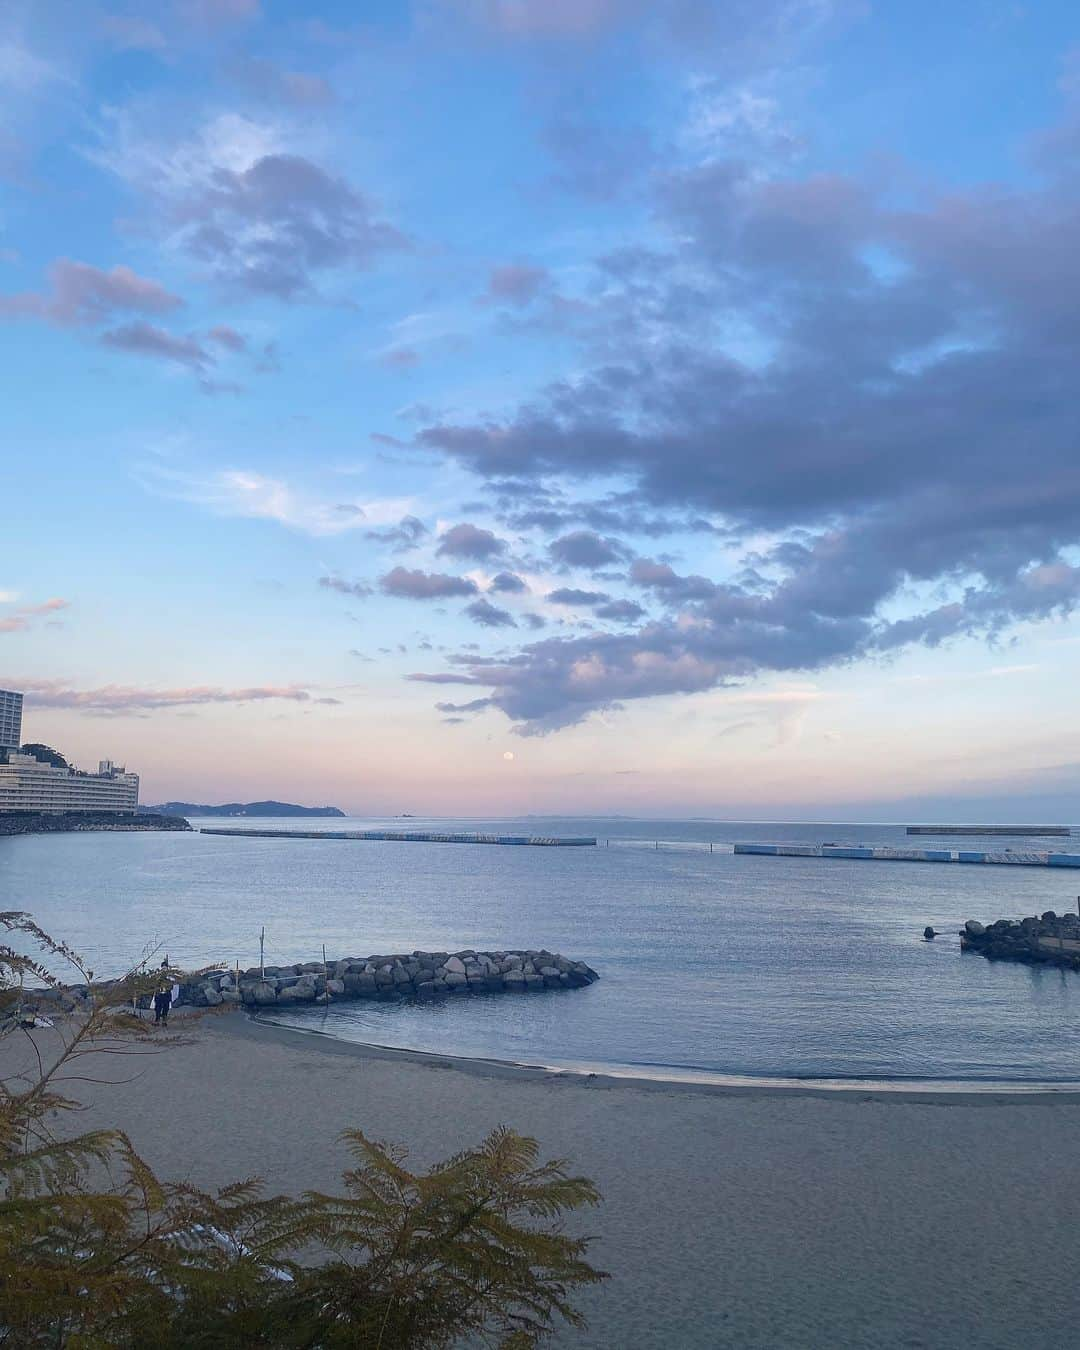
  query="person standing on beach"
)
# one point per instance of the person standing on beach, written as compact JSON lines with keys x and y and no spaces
{"x":162,"y":1000}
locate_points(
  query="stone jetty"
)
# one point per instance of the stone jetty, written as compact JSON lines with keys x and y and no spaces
{"x":419,"y":975}
{"x":1041,"y":939}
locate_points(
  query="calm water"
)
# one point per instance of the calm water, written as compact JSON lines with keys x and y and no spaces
{"x":773,"y":966}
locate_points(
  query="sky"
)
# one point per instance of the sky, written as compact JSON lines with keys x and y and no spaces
{"x":482,"y":407}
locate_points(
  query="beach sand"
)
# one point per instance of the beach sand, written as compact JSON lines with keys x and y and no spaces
{"x":731,"y":1217}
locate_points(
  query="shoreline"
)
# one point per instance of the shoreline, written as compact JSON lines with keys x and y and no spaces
{"x":738,"y":1217}
{"x":943,"y":1092}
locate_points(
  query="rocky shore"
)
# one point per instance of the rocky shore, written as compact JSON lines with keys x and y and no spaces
{"x":1041,"y":939}
{"x":49,"y":822}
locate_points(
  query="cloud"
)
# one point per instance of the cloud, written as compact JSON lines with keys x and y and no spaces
{"x":343,"y":587}
{"x":664,"y":581}
{"x":292,"y":87}
{"x":470,"y":541}
{"x":515,"y":284}
{"x":404,"y":536}
{"x":245,"y":493}
{"x":79,"y":293}
{"x":893,"y":421}
{"x":118,"y":699}
{"x":133,"y":34}
{"x":409,"y":584}
{"x":545,"y":18}
{"x":21,"y":619}
{"x":570,"y":595}
{"x":488,"y":615}
{"x":228,"y":337}
{"x":475,"y":705}
{"x":620,"y":611}
{"x":147,"y":339}
{"x":508,"y":583}
{"x":272,"y":227}
{"x":585,"y":548}
{"x":400,"y":358}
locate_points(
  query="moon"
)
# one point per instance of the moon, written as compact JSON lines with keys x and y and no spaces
{"x":508,"y":755}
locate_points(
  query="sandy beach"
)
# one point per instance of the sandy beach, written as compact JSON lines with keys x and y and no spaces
{"x":731,"y":1217}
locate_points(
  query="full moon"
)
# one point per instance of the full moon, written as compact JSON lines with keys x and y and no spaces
{"x":508,"y":755}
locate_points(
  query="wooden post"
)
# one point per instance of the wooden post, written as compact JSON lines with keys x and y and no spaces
{"x":262,"y":952}
{"x":326,"y":977}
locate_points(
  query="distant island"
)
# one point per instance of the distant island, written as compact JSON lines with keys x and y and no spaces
{"x":241,"y":809}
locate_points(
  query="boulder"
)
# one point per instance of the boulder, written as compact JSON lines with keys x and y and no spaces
{"x":335,"y":986}
{"x":300,"y":992}
{"x":533,"y":981}
{"x":211,"y":997}
{"x":454,"y":965}
{"x":360,"y":986}
{"x":974,"y":928}
{"x":263,"y":992}
{"x":230,"y":996}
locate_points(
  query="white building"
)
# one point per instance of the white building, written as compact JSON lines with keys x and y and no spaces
{"x":26,"y":784}
{"x":10,"y":720}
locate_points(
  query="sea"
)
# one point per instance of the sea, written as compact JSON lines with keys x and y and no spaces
{"x":711,"y":963}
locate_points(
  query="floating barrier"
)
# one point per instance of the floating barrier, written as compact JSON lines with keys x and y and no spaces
{"x":884,"y":853}
{"x":415,"y":837}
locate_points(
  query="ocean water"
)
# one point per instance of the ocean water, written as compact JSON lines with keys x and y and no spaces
{"x":790,"y":967}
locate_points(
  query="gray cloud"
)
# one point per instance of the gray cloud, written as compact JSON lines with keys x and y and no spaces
{"x":488,"y":615}
{"x":620,"y":611}
{"x":404,"y":536}
{"x":570,"y":595}
{"x":270,"y":228}
{"x":227,"y":337}
{"x":515,"y":284}
{"x":906,"y":427}
{"x":357,"y":588}
{"x":508,"y":583}
{"x":415,"y":584}
{"x":470,"y":541}
{"x":475,"y":705}
{"x":585,"y":548}
{"x":147,"y":339}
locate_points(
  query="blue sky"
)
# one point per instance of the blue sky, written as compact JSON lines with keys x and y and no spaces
{"x":487,"y":405}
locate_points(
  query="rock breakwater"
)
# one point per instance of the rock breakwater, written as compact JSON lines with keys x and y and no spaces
{"x":419,"y":975}
{"x":49,"y":822}
{"x":1048,"y":938}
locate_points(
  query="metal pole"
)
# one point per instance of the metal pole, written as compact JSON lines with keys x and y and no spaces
{"x":326,"y":987}
{"x":262,"y":953}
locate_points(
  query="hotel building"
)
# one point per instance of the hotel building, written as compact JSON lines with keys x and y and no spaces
{"x":27,"y":784}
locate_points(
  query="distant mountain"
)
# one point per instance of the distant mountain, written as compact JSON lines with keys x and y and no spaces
{"x":242,"y":809}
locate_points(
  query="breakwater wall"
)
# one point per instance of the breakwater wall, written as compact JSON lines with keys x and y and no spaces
{"x":51,"y":822}
{"x":881,"y":853}
{"x":1047,"y":939}
{"x":420,"y":975}
{"x":416,"y":837}
{"x":992,"y":831}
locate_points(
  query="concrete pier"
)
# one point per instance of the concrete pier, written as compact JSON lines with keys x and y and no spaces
{"x":416,"y":837}
{"x":881,"y":853}
{"x":996,"y":831}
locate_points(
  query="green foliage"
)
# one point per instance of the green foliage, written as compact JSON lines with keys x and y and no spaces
{"x":96,"y":1251}
{"x":44,"y":754}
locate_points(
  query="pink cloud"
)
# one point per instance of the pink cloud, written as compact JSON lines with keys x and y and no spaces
{"x":123,"y":698}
